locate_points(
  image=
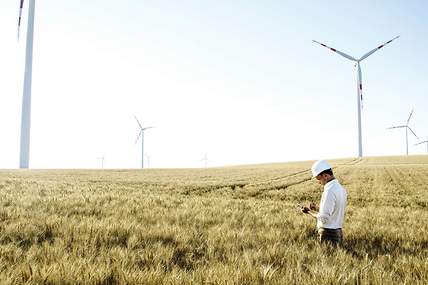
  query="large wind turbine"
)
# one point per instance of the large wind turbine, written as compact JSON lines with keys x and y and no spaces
{"x":406,"y":126}
{"x":24,"y":159}
{"x":141,"y":133}
{"x":423,"y":143}
{"x":359,"y":84}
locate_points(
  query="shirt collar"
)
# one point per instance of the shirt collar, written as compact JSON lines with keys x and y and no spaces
{"x":330,"y":184}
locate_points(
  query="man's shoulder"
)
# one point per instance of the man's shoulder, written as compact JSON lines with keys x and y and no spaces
{"x":334,"y":186}
{"x":339,"y":189}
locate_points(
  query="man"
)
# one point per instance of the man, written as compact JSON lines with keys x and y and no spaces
{"x":331,"y":213}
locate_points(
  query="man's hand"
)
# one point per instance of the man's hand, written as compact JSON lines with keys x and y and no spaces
{"x":305,"y":209}
{"x":313,"y":206}
{"x":311,"y":210}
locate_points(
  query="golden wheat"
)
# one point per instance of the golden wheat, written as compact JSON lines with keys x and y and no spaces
{"x":232,"y":225}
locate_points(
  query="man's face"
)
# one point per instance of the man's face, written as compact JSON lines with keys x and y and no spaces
{"x":323,"y":179}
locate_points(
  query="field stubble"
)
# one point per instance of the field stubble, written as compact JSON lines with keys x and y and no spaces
{"x":235,"y":225}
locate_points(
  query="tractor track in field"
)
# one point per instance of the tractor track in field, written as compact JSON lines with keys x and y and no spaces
{"x":352,"y":162}
{"x":297,"y":174}
{"x":241,"y":185}
{"x":285,"y":186}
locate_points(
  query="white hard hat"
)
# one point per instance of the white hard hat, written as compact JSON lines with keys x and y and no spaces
{"x":319,"y":166}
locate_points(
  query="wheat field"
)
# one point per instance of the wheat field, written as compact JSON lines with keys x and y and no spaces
{"x":231,"y":225}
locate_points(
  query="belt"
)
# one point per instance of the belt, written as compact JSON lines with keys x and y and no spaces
{"x":328,"y":229}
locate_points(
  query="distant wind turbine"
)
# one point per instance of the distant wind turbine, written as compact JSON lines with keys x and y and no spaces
{"x":141,"y":133}
{"x":359,"y":84}
{"x":205,"y":160}
{"x":406,"y":126}
{"x":423,"y":143}
{"x":102,"y":161}
{"x":24,"y":157}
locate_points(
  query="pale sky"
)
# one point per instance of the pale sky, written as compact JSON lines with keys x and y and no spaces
{"x":239,"y":80}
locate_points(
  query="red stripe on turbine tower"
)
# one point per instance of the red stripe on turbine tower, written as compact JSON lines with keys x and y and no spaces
{"x":20,"y":14}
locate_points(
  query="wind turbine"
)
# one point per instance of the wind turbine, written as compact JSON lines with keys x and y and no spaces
{"x":205,"y":160}
{"x":24,"y":159}
{"x":359,"y":84}
{"x":102,"y":161}
{"x":406,"y":126}
{"x":423,"y":143}
{"x":141,"y":133}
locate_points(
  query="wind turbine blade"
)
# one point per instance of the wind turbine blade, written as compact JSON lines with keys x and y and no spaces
{"x":138,"y":122}
{"x":421,"y":142}
{"x":139,"y":135}
{"x":146,"y":128}
{"x":336,"y":51}
{"x":412,"y":132}
{"x":396,"y":127}
{"x":21,"y":5}
{"x":376,"y":49}
{"x":411,"y":113}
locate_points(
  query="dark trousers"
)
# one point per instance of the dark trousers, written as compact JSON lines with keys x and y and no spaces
{"x":332,"y":236}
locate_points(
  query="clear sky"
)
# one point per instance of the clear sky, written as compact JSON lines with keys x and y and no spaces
{"x":239,"y":80}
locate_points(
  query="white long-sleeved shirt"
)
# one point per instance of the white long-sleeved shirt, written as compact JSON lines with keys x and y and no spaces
{"x":332,"y":206}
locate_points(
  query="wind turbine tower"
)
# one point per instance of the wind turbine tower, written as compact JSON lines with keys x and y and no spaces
{"x":102,"y":161}
{"x":141,"y":133}
{"x":148,"y":160}
{"x":406,"y":126}
{"x":24,"y":158}
{"x":359,"y":84}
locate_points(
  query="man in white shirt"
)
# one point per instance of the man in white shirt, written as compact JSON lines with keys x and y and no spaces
{"x":331,"y":212}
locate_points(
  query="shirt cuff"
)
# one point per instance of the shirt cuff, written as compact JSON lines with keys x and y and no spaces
{"x":323,"y":218}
